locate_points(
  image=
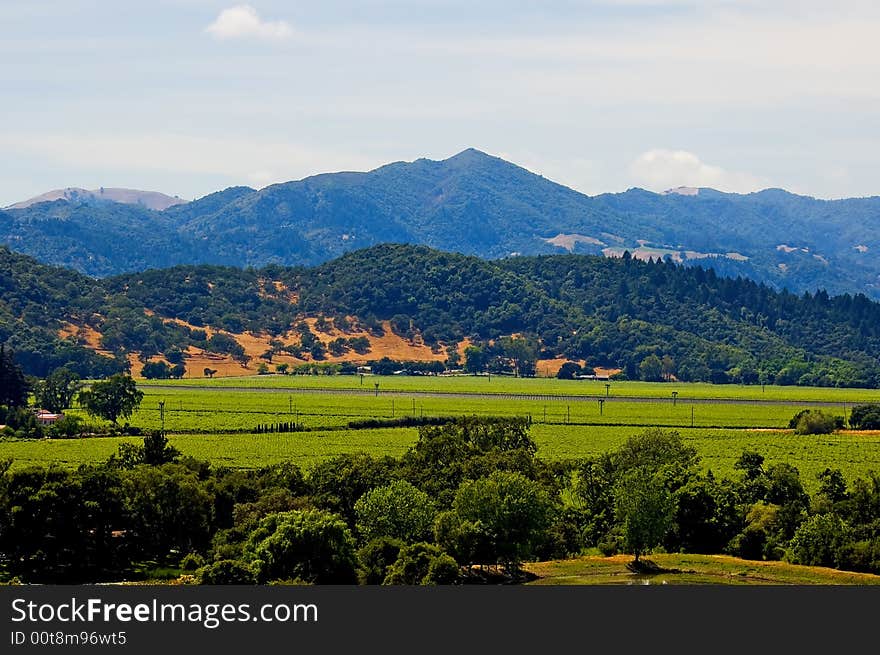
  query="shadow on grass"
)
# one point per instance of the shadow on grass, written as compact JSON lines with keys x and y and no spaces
{"x":648,"y":567}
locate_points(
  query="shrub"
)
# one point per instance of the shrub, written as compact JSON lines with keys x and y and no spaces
{"x":865,"y":417}
{"x":814,"y":421}
{"x":312,"y":545}
{"x":376,"y":557}
{"x":225,"y":572}
{"x":821,"y":540}
{"x":422,"y":564}
{"x":192,"y":561}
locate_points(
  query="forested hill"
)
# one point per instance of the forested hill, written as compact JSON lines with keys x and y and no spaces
{"x":612,"y":313}
{"x":471,"y":203}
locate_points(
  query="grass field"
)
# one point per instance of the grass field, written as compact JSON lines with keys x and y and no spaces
{"x":690,"y":570}
{"x":855,"y":455}
{"x":215,"y":409}
{"x":195,"y":419}
{"x":537,"y":386}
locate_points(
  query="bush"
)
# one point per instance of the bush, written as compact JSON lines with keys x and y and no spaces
{"x":865,"y":417}
{"x":423,"y":564}
{"x":568,"y":370}
{"x":312,"y":545}
{"x":376,"y":557}
{"x":192,"y":561}
{"x":814,"y":421}
{"x":225,"y":572}
{"x":821,"y":540}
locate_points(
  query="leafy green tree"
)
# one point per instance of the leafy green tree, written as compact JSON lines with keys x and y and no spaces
{"x":651,"y":369}
{"x":512,"y":510}
{"x":309,"y":545}
{"x":57,"y":391}
{"x":361,"y":345}
{"x":643,"y":507}
{"x":375,"y":558}
{"x":832,"y":485}
{"x":168,"y":508}
{"x":568,"y":370}
{"x":705,"y":516}
{"x":56,"y":526}
{"x":759,"y":538}
{"x":865,"y":417}
{"x":469,"y":447}
{"x":336,"y":484}
{"x":475,"y":360}
{"x":13,"y":385}
{"x":117,"y":396}
{"x":523,"y":353}
{"x":156,"y":371}
{"x":422,"y":564}
{"x":338,"y":346}
{"x":398,"y":510}
{"x":667,"y":365}
{"x":157,"y":450}
{"x":821,"y":540}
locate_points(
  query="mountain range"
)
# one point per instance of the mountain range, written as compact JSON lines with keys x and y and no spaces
{"x":471,"y":203}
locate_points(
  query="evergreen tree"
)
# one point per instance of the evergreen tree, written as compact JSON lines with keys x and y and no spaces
{"x":13,"y":386}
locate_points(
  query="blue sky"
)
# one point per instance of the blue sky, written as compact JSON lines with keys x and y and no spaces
{"x":191,"y":96}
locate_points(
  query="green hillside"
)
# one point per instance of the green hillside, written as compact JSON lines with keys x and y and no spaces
{"x":612,"y":313}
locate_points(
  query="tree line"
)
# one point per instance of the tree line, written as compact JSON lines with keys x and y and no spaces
{"x":469,"y":494}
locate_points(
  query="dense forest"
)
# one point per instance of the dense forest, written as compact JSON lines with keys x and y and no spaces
{"x":613,"y":313}
{"x":470,"y":492}
{"x":471,"y":203}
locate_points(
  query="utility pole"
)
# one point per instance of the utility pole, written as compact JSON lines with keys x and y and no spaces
{"x":607,"y":390}
{"x":162,"y":415}
{"x":601,"y":406}
{"x":377,"y":389}
{"x":674,"y":397}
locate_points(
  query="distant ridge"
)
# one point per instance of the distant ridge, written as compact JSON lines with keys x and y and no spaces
{"x":149,"y":199}
{"x":472,"y":203}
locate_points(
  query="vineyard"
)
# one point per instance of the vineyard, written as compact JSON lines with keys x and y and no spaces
{"x":251,"y":424}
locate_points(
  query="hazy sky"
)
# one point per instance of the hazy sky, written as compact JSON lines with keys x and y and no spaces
{"x":191,"y":96}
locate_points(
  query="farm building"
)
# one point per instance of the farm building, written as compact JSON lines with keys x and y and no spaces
{"x":45,"y":417}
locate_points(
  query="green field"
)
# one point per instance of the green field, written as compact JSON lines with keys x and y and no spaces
{"x":690,"y":570}
{"x":210,"y":410}
{"x":537,"y":386}
{"x":196,"y":419}
{"x":856,"y":455}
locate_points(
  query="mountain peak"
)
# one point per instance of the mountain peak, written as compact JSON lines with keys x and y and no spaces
{"x":148,"y":199}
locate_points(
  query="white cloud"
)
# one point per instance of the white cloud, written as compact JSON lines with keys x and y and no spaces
{"x":244,"y":160}
{"x":660,"y":169}
{"x":243,"y":22}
